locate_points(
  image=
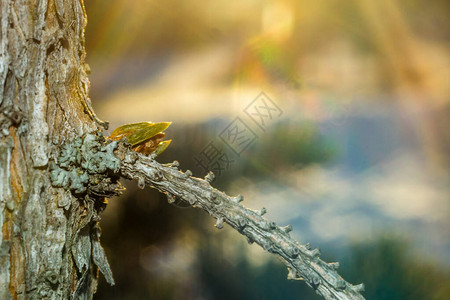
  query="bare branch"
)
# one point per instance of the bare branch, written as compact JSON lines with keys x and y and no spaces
{"x":302,"y":261}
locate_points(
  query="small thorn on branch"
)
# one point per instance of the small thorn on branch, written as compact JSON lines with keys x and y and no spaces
{"x":175,"y":164}
{"x":334,"y":265}
{"x":141,"y":183}
{"x":210,"y":177}
{"x":292,"y":275}
{"x":262,"y":211}
{"x":191,"y":200}
{"x":170,"y":198}
{"x":188,"y":173}
{"x":272,"y":225}
{"x":238,"y":199}
{"x":315,"y":253}
{"x":287,"y":228}
{"x":340,"y":284}
{"x":359,"y":287}
{"x":219,"y":223}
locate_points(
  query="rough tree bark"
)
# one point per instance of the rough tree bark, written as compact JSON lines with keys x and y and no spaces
{"x":47,"y":231}
{"x":56,"y":169}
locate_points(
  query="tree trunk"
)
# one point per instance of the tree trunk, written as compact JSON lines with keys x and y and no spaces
{"x":48,"y":234}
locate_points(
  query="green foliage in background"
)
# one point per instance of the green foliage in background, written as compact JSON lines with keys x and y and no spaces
{"x":288,"y":146}
{"x":391,"y":272}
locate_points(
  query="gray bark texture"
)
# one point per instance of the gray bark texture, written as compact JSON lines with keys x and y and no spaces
{"x":49,"y":234}
{"x":56,"y":169}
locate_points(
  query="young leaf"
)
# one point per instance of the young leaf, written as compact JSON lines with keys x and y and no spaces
{"x":138,"y":132}
{"x":127,"y":129}
{"x":162,"y":146}
{"x":146,"y":132}
{"x":144,"y":137}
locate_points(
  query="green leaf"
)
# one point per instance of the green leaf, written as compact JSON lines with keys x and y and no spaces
{"x":162,"y":146}
{"x":145,"y":131}
{"x":127,"y":129}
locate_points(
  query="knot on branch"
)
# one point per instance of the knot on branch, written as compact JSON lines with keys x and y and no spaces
{"x":87,"y":165}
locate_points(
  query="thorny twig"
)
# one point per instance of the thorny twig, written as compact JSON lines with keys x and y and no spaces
{"x":302,"y":261}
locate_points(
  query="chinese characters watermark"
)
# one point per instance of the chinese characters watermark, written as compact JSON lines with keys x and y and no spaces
{"x":263,"y":111}
{"x":237,"y":136}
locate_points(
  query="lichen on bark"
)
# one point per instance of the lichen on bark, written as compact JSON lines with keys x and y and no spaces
{"x":87,"y":166}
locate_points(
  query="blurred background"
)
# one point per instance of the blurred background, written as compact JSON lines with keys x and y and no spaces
{"x":355,"y":154}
